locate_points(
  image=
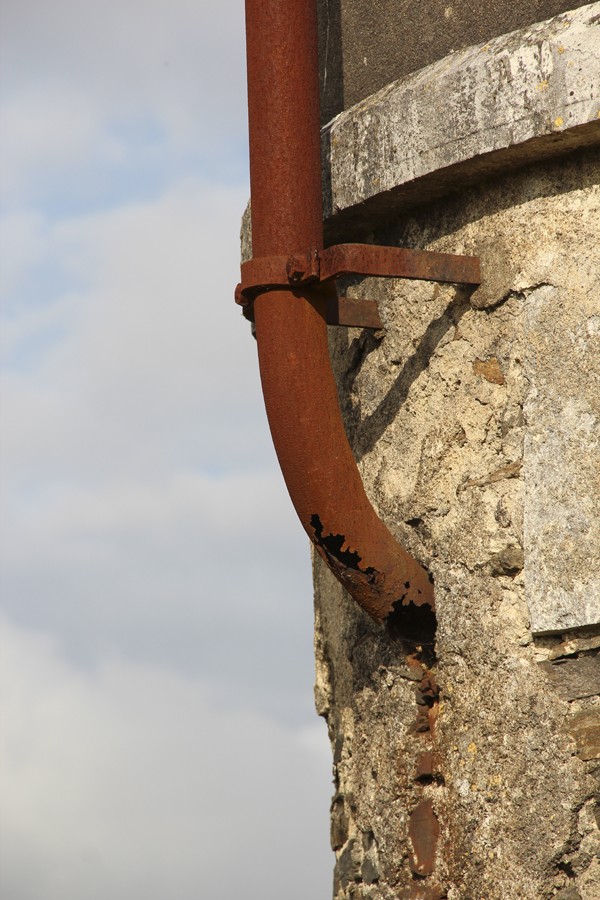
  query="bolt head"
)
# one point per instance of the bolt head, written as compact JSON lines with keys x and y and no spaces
{"x":295,"y":269}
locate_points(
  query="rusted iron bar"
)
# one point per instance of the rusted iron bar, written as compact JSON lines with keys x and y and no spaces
{"x":324,"y":266}
{"x":348,"y":311}
{"x":273,"y":272}
{"x":352,"y":312}
{"x":298,"y":385}
{"x":398,"y":262}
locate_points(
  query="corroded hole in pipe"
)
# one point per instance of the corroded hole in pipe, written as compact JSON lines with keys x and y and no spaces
{"x":408,"y":623}
{"x":413,"y":624}
{"x":340,"y":558}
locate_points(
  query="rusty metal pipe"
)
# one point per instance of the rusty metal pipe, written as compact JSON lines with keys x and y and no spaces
{"x":298,"y":385}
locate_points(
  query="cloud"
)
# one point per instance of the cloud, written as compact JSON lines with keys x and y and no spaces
{"x":157,"y":734}
{"x":129,"y":49}
{"x":92,"y":93}
{"x":159,"y":737}
{"x":130,"y":781}
{"x":61,"y":120}
{"x":143,"y":509}
{"x":145,"y":319}
{"x":210,"y":576}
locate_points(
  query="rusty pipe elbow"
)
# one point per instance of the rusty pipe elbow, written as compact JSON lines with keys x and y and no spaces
{"x":298,"y":385}
{"x":317,"y":463}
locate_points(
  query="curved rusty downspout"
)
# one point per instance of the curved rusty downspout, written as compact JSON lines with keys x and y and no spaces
{"x":297,"y":380}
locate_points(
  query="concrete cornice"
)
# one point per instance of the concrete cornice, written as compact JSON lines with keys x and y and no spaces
{"x":524,"y":96}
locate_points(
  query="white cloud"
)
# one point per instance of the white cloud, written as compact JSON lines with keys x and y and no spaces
{"x":150,"y":346}
{"x":211,"y":575}
{"x":127,"y":48}
{"x":87,"y":86}
{"x":129,"y":781}
{"x":23,"y":244}
{"x":156,"y":736}
{"x":142,"y":506}
{"x":48,"y":132}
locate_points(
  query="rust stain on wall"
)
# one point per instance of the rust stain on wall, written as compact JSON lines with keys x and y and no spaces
{"x":489,"y":369}
{"x":423,"y":830}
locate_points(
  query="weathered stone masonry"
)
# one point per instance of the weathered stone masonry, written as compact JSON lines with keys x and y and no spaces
{"x":466,"y":764}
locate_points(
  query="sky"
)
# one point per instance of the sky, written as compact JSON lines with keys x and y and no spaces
{"x":158,"y":732}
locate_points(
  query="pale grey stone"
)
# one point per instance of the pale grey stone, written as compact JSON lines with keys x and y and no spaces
{"x":453,"y":463}
{"x":524,"y":95}
{"x":562,"y":443}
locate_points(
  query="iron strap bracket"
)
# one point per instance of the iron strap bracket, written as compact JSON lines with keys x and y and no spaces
{"x":276,"y":273}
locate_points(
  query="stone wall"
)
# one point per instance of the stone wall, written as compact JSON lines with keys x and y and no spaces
{"x":472,"y":733}
{"x":365,"y":45}
{"x":466,"y":766}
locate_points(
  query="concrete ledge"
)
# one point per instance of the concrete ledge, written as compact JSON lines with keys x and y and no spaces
{"x":524,"y":96}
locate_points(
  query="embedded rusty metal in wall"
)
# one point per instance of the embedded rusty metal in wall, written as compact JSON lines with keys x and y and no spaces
{"x":427,"y":701}
{"x":399,"y":262}
{"x":423,"y":830}
{"x":352,"y":312}
{"x":423,"y":826}
{"x":425,"y":766}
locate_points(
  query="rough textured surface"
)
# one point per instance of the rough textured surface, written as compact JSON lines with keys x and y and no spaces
{"x":472,"y":737}
{"x":365,"y":45}
{"x":468,"y":767}
{"x":575,"y":678}
{"x":562,"y":447}
{"x":520,"y":97}
{"x":520,"y":93}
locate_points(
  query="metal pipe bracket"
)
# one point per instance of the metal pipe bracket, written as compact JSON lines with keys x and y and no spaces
{"x":276,"y":273}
